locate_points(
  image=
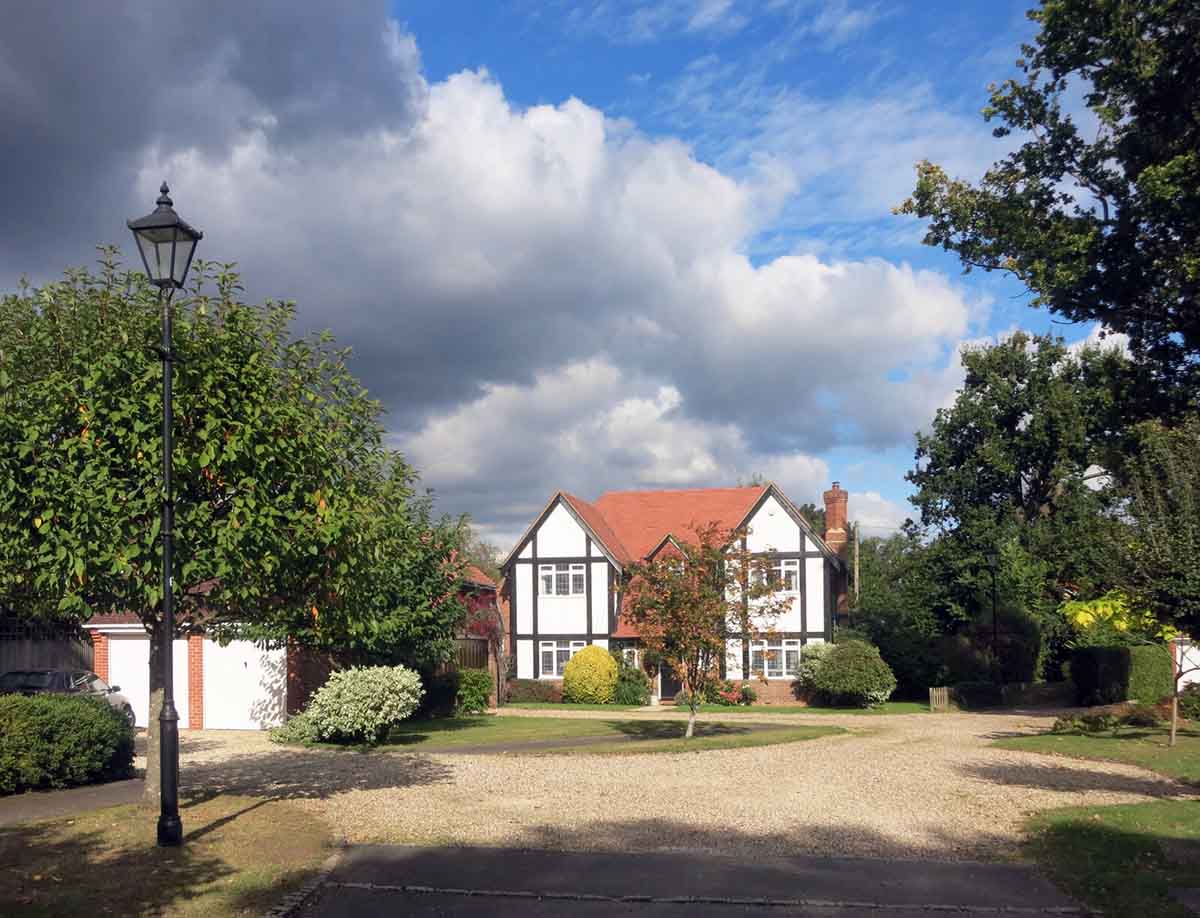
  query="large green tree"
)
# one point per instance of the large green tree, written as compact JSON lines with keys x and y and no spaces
{"x":1097,"y":211}
{"x":292,"y":519}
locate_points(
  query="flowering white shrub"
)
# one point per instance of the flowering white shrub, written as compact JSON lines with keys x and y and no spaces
{"x":363,"y":703}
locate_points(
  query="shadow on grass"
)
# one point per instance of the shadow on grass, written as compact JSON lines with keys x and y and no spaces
{"x":675,"y":729}
{"x":1056,"y":777}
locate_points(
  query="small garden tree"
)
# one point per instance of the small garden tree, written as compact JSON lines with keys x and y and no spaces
{"x":687,"y":602}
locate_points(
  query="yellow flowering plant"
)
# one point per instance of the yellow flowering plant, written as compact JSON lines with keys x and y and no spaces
{"x":1113,"y":619}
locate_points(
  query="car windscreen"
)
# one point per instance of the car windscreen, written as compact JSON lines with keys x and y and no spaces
{"x":22,"y":681}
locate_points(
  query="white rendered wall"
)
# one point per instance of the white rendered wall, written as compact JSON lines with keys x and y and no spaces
{"x":523,"y":575}
{"x":1188,"y":657}
{"x":814,"y":591}
{"x":524,"y":659}
{"x":527,"y":551}
{"x":560,"y":536}
{"x":733,"y":659}
{"x":810,"y":545}
{"x":601,"y":642}
{"x":600,"y":598}
{"x":772,"y":529}
{"x":562,"y":614}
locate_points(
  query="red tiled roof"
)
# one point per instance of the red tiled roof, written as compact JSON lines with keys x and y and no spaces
{"x":641,"y":519}
{"x":475,"y":576}
{"x":596,"y":520}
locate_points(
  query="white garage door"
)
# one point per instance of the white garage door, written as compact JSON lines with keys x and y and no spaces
{"x":129,"y":667}
{"x":245,"y":687}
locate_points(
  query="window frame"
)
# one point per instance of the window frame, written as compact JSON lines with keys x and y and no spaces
{"x":552,"y":576}
{"x":769,"y":657}
{"x":556,"y":647}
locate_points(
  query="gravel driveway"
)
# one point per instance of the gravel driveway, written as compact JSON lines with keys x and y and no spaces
{"x":916,"y":786}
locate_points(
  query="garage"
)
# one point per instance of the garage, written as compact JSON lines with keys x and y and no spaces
{"x":129,"y":667}
{"x":245,"y":687}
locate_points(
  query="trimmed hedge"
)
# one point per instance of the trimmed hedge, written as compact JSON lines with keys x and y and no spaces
{"x":854,"y":675}
{"x":534,"y":690}
{"x":971,"y":696}
{"x":1151,"y":676}
{"x":474,"y":687}
{"x":61,"y":741}
{"x":590,"y":677}
{"x":1109,"y":675}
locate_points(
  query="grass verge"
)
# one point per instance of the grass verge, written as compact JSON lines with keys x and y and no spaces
{"x":888,"y":707}
{"x":1144,"y":746}
{"x":568,"y":706}
{"x":240,"y":855}
{"x":1121,"y":860}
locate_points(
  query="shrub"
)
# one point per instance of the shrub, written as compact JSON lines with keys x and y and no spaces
{"x":975,"y":695}
{"x":441,"y":694}
{"x":61,"y":741}
{"x":747,"y":695}
{"x":1151,"y":673}
{"x":298,"y":729}
{"x":853,"y":674}
{"x":362,"y":704}
{"x":1067,"y":725}
{"x":1101,"y":674}
{"x":534,"y":690}
{"x":1144,"y":715}
{"x":1100,"y":723}
{"x":804,"y":686}
{"x":1189,"y":702}
{"x":633,"y":685}
{"x":590,"y":677}
{"x":474,"y":687}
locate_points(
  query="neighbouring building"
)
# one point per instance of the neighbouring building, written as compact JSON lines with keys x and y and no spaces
{"x":562,"y":581}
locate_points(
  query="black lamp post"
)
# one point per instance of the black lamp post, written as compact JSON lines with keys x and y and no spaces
{"x":167,"y":245}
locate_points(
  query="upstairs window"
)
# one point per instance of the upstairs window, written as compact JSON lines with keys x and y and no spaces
{"x":562,"y":579}
{"x":783,"y":574}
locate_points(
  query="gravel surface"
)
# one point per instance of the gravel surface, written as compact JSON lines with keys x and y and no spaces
{"x":916,"y":786}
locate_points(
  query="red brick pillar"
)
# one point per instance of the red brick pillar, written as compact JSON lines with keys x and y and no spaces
{"x":100,"y":654}
{"x":196,"y":681}
{"x":837,"y":538}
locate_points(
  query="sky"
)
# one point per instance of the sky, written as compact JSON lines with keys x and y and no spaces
{"x":579,"y":246}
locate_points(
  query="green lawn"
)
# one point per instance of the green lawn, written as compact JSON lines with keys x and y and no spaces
{"x":568,"y":706}
{"x":889,"y":707}
{"x":629,"y":736}
{"x":1144,"y":746}
{"x":240,"y":855}
{"x":1120,"y":860}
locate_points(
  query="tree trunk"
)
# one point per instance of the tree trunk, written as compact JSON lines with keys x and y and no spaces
{"x":691,"y":727}
{"x":150,"y":794}
{"x":1174,"y":715}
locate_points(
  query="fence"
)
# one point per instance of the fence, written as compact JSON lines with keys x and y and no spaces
{"x":471,"y":653}
{"x":34,"y":645}
{"x":939,"y":698}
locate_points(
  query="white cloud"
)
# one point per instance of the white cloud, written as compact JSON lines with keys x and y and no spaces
{"x":875,"y":514}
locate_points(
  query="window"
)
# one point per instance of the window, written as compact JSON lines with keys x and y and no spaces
{"x":776,"y":658}
{"x":783,"y":574}
{"x":556,"y":655}
{"x":562,"y":579}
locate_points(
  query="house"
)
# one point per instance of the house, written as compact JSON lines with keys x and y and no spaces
{"x":239,"y":686}
{"x":562,"y":580}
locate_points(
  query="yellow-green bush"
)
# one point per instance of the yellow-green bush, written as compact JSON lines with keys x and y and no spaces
{"x":590,"y":677}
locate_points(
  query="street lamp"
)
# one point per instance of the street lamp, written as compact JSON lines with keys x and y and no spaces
{"x":167,"y":245}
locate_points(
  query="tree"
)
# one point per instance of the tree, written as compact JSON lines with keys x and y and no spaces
{"x":1103,"y":225}
{"x":815,"y":516}
{"x":483,"y":554}
{"x":291,"y":517}
{"x":686,"y":603}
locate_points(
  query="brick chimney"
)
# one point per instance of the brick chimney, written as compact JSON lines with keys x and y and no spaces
{"x":835,"y":519}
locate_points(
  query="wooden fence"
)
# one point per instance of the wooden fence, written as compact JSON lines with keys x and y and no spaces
{"x":25,"y":645}
{"x":939,"y":698}
{"x":471,"y":653}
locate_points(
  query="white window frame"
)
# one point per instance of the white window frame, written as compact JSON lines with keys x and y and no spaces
{"x":562,"y":578}
{"x":769,"y":656}
{"x":556,"y":649}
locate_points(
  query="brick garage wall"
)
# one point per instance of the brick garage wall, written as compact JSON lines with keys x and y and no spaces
{"x":307,"y":671}
{"x":100,"y":654}
{"x":195,"y":677}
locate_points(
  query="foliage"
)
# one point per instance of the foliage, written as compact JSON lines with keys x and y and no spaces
{"x":1112,"y":621}
{"x":1097,"y":215}
{"x":633,"y":685}
{"x":804,"y":685}
{"x":299,"y":729}
{"x":1164,"y":506}
{"x":1101,"y":674}
{"x":1151,"y":673}
{"x":362,"y":704}
{"x":1189,"y":701}
{"x":747,"y":694}
{"x":440,"y":698}
{"x":61,"y":741}
{"x":1144,"y":715}
{"x":534,"y":690}
{"x":854,"y":675}
{"x":474,"y":688}
{"x":685,"y":605}
{"x":975,"y":695}
{"x":1090,"y":723}
{"x":590,"y":677}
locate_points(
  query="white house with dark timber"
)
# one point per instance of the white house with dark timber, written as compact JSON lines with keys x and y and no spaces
{"x":562,"y":580}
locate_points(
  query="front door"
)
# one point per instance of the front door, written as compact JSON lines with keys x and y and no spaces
{"x":671,"y":685}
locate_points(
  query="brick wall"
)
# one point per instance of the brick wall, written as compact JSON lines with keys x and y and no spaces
{"x":775,"y":691}
{"x":307,"y":671}
{"x":100,"y":654}
{"x":196,"y":682}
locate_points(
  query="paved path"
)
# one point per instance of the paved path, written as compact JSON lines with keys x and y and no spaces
{"x":467,"y":882}
{"x":39,"y":805}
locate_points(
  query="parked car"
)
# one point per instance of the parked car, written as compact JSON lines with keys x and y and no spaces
{"x":65,"y":682}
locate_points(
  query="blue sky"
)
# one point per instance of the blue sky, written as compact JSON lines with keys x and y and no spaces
{"x":582,"y":246}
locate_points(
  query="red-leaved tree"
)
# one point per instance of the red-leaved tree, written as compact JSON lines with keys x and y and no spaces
{"x":691,"y":597}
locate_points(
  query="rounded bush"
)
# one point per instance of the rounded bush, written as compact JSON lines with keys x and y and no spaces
{"x":590,"y":677}
{"x":804,"y":686}
{"x":1189,"y":702}
{"x":362,"y":704}
{"x":854,"y":675}
{"x":61,"y":741}
{"x":474,"y":687}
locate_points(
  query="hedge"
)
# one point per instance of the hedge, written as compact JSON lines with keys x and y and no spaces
{"x":474,"y":687}
{"x":534,"y":690}
{"x":1108,"y":675}
{"x":61,"y":741}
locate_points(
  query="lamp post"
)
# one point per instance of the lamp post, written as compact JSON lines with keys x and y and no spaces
{"x":167,"y":245}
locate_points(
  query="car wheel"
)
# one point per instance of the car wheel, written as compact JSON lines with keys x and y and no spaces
{"x":129,"y":716}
